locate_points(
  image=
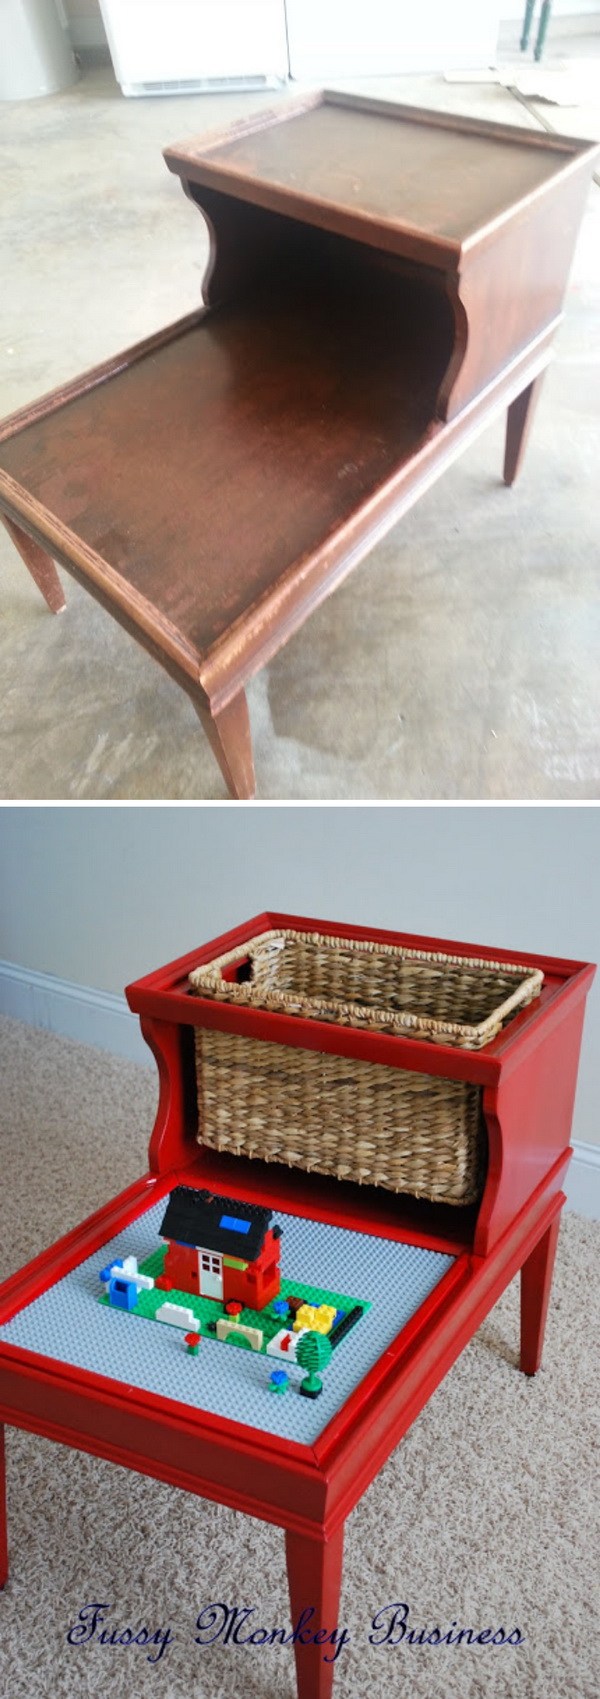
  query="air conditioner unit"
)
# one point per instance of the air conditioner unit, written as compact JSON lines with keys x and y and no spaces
{"x":193,"y":46}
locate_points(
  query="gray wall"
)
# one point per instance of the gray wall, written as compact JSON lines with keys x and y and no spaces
{"x":99,"y":896}
{"x":86,"y":24}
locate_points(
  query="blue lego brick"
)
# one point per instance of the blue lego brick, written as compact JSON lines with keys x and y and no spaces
{"x":69,"y":1324}
{"x":122,"y":1294}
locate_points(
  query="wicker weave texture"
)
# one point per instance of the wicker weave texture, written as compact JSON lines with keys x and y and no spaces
{"x":340,"y":1116}
{"x":456,"y":1000}
{"x":355,"y":1120}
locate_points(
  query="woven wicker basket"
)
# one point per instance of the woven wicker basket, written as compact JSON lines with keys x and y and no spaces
{"x":339,"y":1115}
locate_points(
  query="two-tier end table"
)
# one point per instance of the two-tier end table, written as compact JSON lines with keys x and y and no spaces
{"x":427,"y":1272}
{"x":382,"y":281}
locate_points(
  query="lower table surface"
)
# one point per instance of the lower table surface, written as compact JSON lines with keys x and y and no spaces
{"x":68,"y":1323}
{"x":206,"y":469}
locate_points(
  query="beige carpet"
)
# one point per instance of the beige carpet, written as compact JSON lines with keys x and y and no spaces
{"x":484,"y":1515}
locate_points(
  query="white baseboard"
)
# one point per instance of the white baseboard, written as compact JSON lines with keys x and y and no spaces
{"x":582,"y":1184}
{"x":72,"y":1011}
{"x":103,"y":1019}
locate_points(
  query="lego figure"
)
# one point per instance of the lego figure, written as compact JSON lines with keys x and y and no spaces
{"x":221,"y":1248}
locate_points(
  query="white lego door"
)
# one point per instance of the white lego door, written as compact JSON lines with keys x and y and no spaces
{"x":210,"y":1274}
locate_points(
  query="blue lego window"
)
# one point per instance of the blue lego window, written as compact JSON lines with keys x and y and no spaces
{"x":234,"y":1224}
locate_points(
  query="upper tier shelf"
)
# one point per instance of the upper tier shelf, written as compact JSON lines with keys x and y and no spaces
{"x":491,"y":211}
{"x":527,"y":1075}
{"x":428,"y":185}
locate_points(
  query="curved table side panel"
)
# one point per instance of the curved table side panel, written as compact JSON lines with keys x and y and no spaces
{"x":529,"y":1116}
{"x":511,"y":289}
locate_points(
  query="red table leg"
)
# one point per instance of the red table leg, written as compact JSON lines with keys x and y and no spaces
{"x":3,"y":1532}
{"x":314,"y":1569}
{"x":536,"y":1280}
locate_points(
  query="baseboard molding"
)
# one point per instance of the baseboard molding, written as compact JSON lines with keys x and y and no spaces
{"x":582,"y":1184}
{"x":72,"y":1011}
{"x":104,"y":1020}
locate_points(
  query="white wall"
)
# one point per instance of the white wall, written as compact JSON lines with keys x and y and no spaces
{"x":560,"y":9}
{"x":340,"y":39}
{"x":87,"y":28}
{"x":101,"y":895}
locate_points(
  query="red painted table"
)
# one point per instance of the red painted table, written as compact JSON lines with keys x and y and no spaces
{"x":527,"y":1078}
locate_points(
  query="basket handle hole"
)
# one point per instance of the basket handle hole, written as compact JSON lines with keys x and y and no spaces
{"x":239,"y":971}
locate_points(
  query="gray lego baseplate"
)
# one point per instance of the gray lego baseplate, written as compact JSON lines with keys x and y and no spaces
{"x":69,"y":1324}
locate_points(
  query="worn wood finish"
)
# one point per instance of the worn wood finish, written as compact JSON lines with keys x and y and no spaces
{"x":229,"y":735}
{"x":509,"y":289}
{"x":381,"y":282}
{"x":518,"y":425}
{"x":40,"y":565}
{"x":47,"y":404}
{"x":246,"y":441}
{"x":480,"y":203}
{"x":416,"y":182}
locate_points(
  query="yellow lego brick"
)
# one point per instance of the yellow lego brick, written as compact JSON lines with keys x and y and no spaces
{"x":304,"y":1317}
{"x":318,"y":1317}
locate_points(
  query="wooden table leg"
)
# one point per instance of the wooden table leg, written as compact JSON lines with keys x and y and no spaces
{"x":230,"y":739}
{"x":3,"y":1531}
{"x":536,"y":1280}
{"x":39,"y":564}
{"x":314,"y":1569}
{"x":518,"y":425}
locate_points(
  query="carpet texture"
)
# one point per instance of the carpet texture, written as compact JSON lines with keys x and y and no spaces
{"x":485,"y":1515}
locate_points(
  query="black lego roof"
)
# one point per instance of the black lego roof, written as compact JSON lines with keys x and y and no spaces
{"x":199,"y":1217}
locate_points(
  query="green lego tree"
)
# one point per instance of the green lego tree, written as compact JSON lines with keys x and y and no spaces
{"x":313,"y":1354}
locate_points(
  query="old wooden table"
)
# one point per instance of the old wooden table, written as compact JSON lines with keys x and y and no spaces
{"x":382,"y":281}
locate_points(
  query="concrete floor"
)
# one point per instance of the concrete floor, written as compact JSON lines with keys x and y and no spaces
{"x":472,"y":671}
